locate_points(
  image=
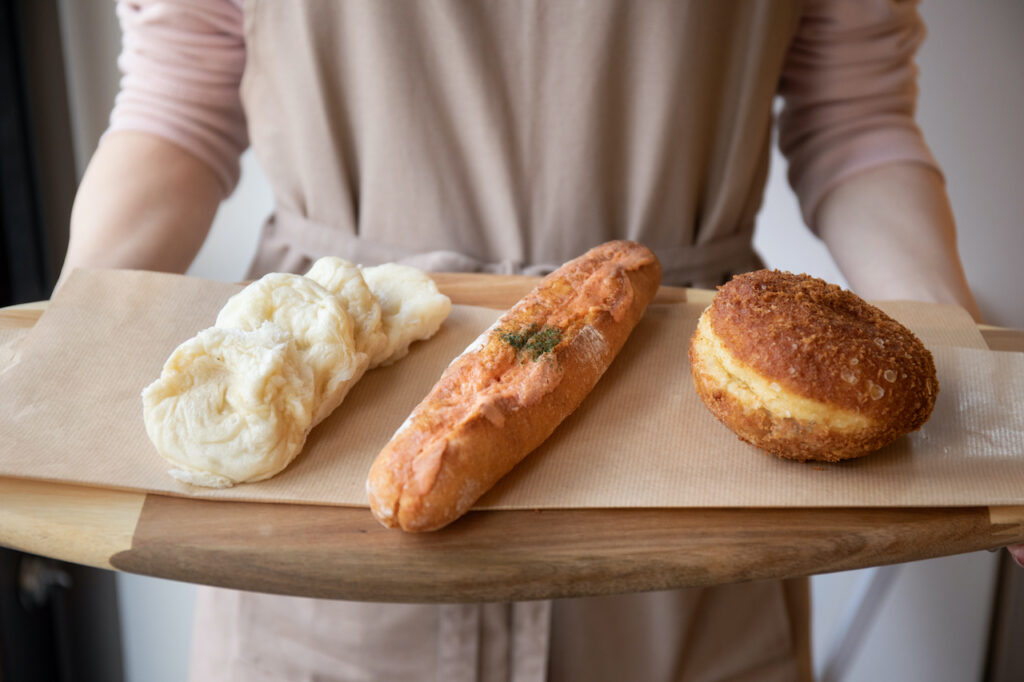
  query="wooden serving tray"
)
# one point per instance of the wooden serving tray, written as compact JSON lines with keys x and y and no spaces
{"x":343,"y":553}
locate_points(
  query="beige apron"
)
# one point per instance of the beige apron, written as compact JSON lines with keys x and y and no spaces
{"x":511,"y":136}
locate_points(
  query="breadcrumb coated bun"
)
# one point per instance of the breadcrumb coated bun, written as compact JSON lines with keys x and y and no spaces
{"x":807,"y":370}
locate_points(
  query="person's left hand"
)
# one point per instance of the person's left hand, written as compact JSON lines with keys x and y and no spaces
{"x":1017,"y":552}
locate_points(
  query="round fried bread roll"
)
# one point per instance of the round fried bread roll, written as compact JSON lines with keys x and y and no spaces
{"x":807,"y":370}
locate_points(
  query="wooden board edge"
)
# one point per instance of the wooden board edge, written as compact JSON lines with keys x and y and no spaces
{"x":1010,"y":518}
{"x":72,"y":523}
{"x":344,"y":554}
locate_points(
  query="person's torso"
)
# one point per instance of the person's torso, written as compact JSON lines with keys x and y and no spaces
{"x":515,"y":135}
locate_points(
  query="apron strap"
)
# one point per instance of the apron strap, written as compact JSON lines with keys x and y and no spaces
{"x":291,"y":242}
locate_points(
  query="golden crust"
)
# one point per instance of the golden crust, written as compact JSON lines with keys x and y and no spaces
{"x":498,"y":401}
{"x":818,"y":342}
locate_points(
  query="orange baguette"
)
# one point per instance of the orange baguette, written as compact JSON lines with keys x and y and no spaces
{"x":512,"y":387}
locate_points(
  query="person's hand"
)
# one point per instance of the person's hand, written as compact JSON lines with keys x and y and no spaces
{"x":1017,"y":552}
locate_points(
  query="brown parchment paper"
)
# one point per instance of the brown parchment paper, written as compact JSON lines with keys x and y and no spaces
{"x":70,"y":411}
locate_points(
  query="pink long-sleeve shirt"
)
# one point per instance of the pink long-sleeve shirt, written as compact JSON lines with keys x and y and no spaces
{"x":848,"y":86}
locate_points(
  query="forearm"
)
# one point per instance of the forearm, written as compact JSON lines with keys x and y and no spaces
{"x":143,"y":203}
{"x":892,"y":233}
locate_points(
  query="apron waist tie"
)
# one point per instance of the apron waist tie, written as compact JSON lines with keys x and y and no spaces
{"x":291,"y":242}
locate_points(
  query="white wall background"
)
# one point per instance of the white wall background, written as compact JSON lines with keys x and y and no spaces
{"x":933,"y":623}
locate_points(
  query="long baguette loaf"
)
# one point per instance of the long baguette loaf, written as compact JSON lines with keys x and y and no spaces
{"x":511,"y":388}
